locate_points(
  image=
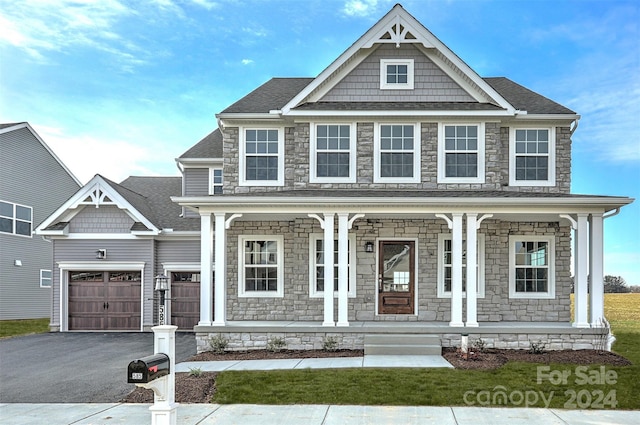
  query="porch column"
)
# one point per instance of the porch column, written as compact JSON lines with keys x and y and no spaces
{"x":456,"y":270}
{"x":580,"y":272}
{"x":206,"y":270}
{"x":596,"y":272}
{"x":328,"y":270}
{"x":220,"y":287}
{"x":472,"y":275}
{"x":343,"y":269}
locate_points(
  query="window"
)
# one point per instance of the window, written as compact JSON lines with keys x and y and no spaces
{"x":216,"y":181}
{"x":531,"y":273}
{"x":15,"y":219}
{"x":332,"y":153}
{"x":262,"y":157}
{"x":316,"y":266}
{"x":46,"y":277}
{"x":261,"y":266}
{"x":461,"y":153}
{"x":397,"y":158}
{"x":445,"y":266}
{"x":396,"y":74}
{"x":532,"y":159}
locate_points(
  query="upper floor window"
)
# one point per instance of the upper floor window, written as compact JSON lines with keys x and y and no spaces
{"x":260,"y":271}
{"x":316,"y":266}
{"x":445,"y":266}
{"x":396,"y":74}
{"x":531,"y":272}
{"x":333,"y":155}
{"x":15,"y":219}
{"x":397,"y":157}
{"x":461,"y":153}
{"x":262,"y":157}
{"x":532,"y":159}
{"x":216,"y":181}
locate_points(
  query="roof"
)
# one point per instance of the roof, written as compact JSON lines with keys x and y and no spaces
{"x":209,"y":147}
{"x":398,"y":106}
{"x":272,"y":95}
{"x":10,"y":125}
{"x":524,"y":99}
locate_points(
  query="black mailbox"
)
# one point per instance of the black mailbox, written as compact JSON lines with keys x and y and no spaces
{"x":147,"y":369}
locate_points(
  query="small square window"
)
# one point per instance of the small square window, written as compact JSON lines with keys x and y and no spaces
{"x":396,"y":74}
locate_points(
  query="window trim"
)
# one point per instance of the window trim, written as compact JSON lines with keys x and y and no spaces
{"x":409,"y":85}
{"x":313,"y":151}
{"x":242,"y":170}
{"x":551,"y":284}
{"x":15,"y":219}
{"x":442,"y":177}
{"x":441,"y":293}
{"x":42,"y":278}
{"x":279,"y":292}
{"x":417,"y":154}
{"x":212,"y":183}
{"x":313,"y":292}
{"x":551,"y":178}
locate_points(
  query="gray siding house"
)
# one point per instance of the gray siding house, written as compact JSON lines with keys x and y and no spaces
{"x":33,"y":183}
{"x":429,"y":200}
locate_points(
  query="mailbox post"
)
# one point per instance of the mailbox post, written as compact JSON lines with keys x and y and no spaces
{"x":162,"y":285}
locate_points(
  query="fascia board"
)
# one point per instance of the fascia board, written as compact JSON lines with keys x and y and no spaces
{"x":190,"y":162}
{"x":388,"y":113}
{"x":249,"y":116}
{"x":542,"y":117}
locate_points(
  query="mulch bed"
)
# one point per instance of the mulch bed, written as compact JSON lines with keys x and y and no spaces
{"x":201,"y":388}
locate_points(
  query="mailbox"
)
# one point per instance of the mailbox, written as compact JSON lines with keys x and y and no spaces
{"x":148,"y":368}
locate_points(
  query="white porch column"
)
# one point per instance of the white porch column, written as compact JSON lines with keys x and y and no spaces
{"x":596,"y":269}
{"x":328,"y":270}
{"x":472,"y":275}
{"x":456,"y":270}
{"x":206,"y":270}
{"x":220,"y":287}
{"x":343,"y":269}
{"x":581,"y":272}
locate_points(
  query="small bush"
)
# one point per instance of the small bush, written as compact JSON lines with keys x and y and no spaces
{"x":218,"y":344}
{"x":330,"y":343}
{"x":479,"y":345}
{"x":537,"y":347}
{"x":276,"y":344}
{"x":196,"y":372}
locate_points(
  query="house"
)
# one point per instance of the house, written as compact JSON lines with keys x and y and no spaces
{"x":432,"y":201}
{"x":33,"y":183}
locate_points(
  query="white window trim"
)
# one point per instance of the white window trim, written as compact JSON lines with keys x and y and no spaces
{"x":242,"y":171}
{"x":442,"y":178}
{"x":313,"y":178}
{"x":242,"y":293}
{"x":441,"y":293}
{"x":313,"y":293}
{"x":551,"y":292}
{"x":417,"y":153}
{"x":212,"y":185}
{"x":42,"y":278}
{"x":551,"y":181}
{"x":15,"y":220}
{"x":397,"y":86}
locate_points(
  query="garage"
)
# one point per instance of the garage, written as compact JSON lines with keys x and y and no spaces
{"x":104,"y":300}
{"x":185,"y":299}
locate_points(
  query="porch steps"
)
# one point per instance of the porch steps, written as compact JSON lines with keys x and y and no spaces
{"x":402,"y":344}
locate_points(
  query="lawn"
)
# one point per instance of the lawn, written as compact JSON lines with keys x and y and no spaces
{"x":588,"y":387}
{"x":10,"y":328}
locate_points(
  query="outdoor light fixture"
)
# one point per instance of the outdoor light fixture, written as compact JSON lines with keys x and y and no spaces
{"x":101,"y":254}
{"x":162,"y":285}
{"x":368,"y":246}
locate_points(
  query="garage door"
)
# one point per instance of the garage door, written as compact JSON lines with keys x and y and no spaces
{"x":104,"y":300}
{"x":185,"y":299}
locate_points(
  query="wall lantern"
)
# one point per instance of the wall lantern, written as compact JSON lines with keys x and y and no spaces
{"x":368,"y":246}
{"x":101,"y":254}
{"x":162,"y":285}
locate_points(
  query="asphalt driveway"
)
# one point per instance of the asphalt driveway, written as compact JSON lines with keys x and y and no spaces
{"x":75,"y":367}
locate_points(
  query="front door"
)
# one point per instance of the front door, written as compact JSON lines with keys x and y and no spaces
{"x":396,"y":280}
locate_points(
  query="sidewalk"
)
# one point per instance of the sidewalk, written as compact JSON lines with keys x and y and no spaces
{"x":242,"y":414}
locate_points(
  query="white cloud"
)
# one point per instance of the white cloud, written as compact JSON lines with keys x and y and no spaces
{"x":247,"y":61}
{"x":209,"y":5}
{"x":360,"y":7}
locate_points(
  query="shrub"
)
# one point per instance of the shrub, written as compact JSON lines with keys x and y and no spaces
{"x":537,"y":347}
{"x":276,"y":344}
{"x":195,"y":372}
{"x":330,"y":343}
{"x":479,"y":345}
{"x":218,"y":344}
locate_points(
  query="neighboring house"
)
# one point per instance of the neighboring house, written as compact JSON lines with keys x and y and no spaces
{"x":442,"y":197}
{"x":33,"y":183}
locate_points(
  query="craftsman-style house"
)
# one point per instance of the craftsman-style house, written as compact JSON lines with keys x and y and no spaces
{"x":430,"y":200}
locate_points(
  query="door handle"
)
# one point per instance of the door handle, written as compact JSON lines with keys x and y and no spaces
{"x":107,"y":306}
{"x":104,"y":305}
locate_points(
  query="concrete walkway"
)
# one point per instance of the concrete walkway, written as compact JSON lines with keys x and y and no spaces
{"x":242,"y":414}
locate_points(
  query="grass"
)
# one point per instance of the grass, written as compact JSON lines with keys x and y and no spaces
{"x":9,"y":328}
{"x":447,"y":387}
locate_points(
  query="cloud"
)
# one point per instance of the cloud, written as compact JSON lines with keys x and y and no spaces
{"x":360,"y":7}
{"x":247,"y":61}
{"x":209,"y":5}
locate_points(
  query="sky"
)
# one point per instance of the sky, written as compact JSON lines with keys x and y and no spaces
{"x":120,"y":88}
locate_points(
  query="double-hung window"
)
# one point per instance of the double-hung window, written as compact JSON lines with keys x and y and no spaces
{"x":16,"y":219}
{"x":260,"y":271}
{"x":396,"y":74}
{"x":333,"y":156}
{"x":46,"y":277}
{"x":397,"y":157}
{"x":461,"y":153}
{"x":316,"y":266}
{"x":532,"y":159}
{"x":216,"y":181}
{"x":531,"y":271}
{"x":262,"y":157}
{"x":445,"y":267}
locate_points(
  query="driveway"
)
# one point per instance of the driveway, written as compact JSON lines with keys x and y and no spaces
{"x":75,"y":367}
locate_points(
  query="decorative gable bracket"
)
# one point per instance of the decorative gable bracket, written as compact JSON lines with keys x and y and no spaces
{"x":397,"y":31}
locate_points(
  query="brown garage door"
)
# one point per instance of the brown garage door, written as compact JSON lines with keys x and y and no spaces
{"x":185,"y":299}
{"x":104,"y":300}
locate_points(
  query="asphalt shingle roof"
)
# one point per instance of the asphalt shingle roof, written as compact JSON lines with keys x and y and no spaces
{"x":209,"y":147}
{"x":273,"y":94}
{"x":524,"y":99}
{"x":401,"y":106}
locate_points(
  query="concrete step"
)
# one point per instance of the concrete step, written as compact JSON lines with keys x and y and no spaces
{"x":402,"y":344}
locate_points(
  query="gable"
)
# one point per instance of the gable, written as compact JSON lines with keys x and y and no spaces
{"x":106,"y":219}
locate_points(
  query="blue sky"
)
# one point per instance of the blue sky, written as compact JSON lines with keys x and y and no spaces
{"x":122,"y":87}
